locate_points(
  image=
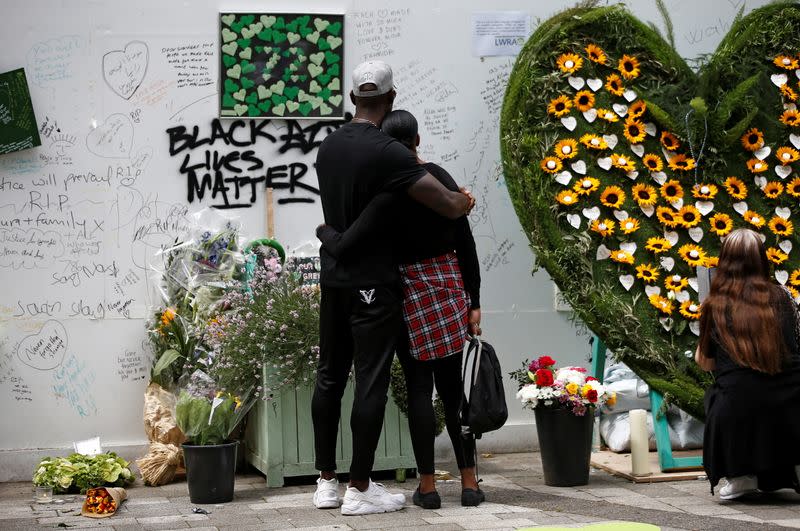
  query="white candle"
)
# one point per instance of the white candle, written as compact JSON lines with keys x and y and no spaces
{"x":640,"y":463}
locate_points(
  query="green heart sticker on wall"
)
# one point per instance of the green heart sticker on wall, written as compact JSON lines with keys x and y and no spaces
{"x":230,"y":48}
{"x":324,"y":94}
{"x":291,"y":92}
{"x":253,"y":110}
{"x":321,"y":24}
{"x":335,"y":28}
{"x":305,"y":32}
{"x":317,"y":58}
{"x":323,"y":45}
{"x":314,"y":70}
{"x":248,"y":67}
{"x":277,"y":99}
{"x":313,"y":37}
{"x":228,"y":60}
{"x":278,"y":37}
{"x":305,"y":109}
{"x":235,"y":71}
{"x":252,"y":98}
{"x":228,"y":101}
{"x":334,"y":70}
{"x":314,"y":87}
{"x":267,"y":20}
{"x":263,"y":92}
{"x":228,"y":35}
{"x":231,"y":86}
{"x":265,"y":35}
{"x":279,"y":109}
{"x":265,"y":106}
{"x":335,"y":85}
{"x":292,"y":106}
{"x":324,"y":110}
{"x":247,"y":83}
{"x":336,"y":100}
{"x":247,"y":33}
{"x":280,"y":23}
{"x":334,"y":41}
{"x":240,"y":109}
{"x":332,"y":58}
{"x":239,"y":95}
{"x":325,"y":78}
{"x":244,"y":43}
{"x":227,"y":19}
{"x":247,"y":53}
{"x":278,"y":87}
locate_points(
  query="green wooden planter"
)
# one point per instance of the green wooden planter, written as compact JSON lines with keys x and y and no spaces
{"x":280,"y":437}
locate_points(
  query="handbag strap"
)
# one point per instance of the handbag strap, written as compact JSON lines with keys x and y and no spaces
{"x":475,"y":348}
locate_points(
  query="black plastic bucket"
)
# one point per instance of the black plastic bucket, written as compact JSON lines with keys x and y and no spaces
{"x":565,"y":443}
{"x":210,"y":472}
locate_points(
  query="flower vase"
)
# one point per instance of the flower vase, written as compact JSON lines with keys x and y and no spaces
{"x":210,"y":472}
{"x":565,"y":443}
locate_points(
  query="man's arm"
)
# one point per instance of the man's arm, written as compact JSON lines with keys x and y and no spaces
{"x":434,"y":195}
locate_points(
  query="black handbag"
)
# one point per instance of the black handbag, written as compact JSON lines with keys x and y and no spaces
{"x":483,"y":405}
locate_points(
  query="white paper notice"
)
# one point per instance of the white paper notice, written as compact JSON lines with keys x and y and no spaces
{"x":499,"y":32}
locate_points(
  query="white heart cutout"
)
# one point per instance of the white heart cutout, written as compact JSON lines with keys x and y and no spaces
{"x":628,"y":247}
{"x":795,"y":140}
{"x":667,"y":262}
{"x":620,"y":109}
{"x":671,"y":237}
{"x":783,"y":171}
{"x":762,"y":153}
{"x":782,"y":276}
{"x":762,"y":237}
{"x":696,"y":234}
{"x":779,"y":79}
{"x":564,"y":178}
{"x":786,"y":246}
{"x":604,"y":162}
{"x":760,"y":181}
{"x":590,"y":115}
{"x":666,"y":322}
{"x":626,"y":281}
{"x":611,"y":140}
{"x":705,"y":207}
{"x":693,"y":283}
{"x":648,"y":210}
{"x":652,"y":290}
{"x":602,"y":252}
{"x":783,"y":212}
{"x":576,"y":82}
{"x":569,"y":122}
{"x":579,"y":167}
{"x":789,"y":106}
{"x":621,"y":215}
{"x":682,"y":296}
{"x":632,"y":175}
{"x":638,"y":149}
{"x":574,"y":220}
{"x":740,"y":207}
{"x":694,"y":326}
{"x":650,"y":128}
{"x":594,"y":84}
{"x":660,"y":177}
{"x":629,"y":95}
{"x":591,"y":213}
{"x":677,"y":204}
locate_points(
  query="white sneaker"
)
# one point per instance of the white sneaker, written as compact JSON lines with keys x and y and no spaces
{"x":327,"y":494}
{"x":376,"y":499}
{"x":738,"y":487}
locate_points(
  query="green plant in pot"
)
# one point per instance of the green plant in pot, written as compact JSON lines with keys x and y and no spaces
{"x":564,"y":401}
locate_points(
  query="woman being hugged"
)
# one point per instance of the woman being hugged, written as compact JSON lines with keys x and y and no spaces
{"x":749,"y":339}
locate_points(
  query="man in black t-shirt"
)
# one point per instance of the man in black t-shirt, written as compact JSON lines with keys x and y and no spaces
{"x":361,"y":308}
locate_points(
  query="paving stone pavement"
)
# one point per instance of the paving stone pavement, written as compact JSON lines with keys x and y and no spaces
{"x":514,"y":486}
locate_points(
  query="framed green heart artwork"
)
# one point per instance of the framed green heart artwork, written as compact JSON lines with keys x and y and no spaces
{"x":627,"y":167}
{"x":281,"y":65}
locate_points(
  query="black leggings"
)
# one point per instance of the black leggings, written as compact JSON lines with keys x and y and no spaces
{"x":420,"y":378}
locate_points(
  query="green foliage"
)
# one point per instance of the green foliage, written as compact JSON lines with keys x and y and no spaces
{"x":206,"y":420}
{"x":78,"y":472}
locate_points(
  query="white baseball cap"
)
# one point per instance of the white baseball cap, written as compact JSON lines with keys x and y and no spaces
{"x":376,"y":72}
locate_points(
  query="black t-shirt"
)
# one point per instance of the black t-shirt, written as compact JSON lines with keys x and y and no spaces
{"x":354,"y":164}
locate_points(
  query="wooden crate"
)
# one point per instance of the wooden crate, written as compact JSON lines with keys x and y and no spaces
{"x":280,"y":437}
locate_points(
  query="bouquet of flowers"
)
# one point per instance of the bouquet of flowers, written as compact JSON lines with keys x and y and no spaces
{"x":542,"y":385}
{"x":79,"y":472}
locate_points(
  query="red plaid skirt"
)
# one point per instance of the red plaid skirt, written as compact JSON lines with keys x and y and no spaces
{"x":435,"y":307}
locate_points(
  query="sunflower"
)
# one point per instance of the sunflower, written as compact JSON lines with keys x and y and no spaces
{"x":584,"y":100}
{"x":757,"y":166}
{"x":680,"y":163}
{"x":614,"y":85}
{"x":671,"y":190}
{"x":566,"y":148}
{"x":788,"y":92}
{"x":711,"y":261}
{"x":608,"y":115}
{"x":629,"y":225}
{"x":667,"y":217}
{"x":791,"y":117}
{"x":780,"y":226}
{"x":793,"y":187}
{"x":596,"y":54}
{"x":735,"y":187}
{"x":787,"y":155}
{"x":754,"y":218}
{"x":628,"y":66}
{"x":612,"y":197}
{"x":776,"y":256}
{"x":692,"y":254}
{"x":603,"y":228}
{"x":721,"y":224}
{"x":773,"y":189}
{"x":634,"y":131}
{"x":689,"y":216}
{"x":551,"y":165}
{"x":586,"y":186}
{"x":658,"y":245}
{"x":705,"y":191}
{"x":622,"y":257}
{"x":753,"y":139}
{"x":559,"y":106}
{"x":567,"y":197}
{"x":623,"y":163}
{"x":675,"y":283}
{"x":645,"y":195}
{"x":793,"y":292}
{"x":653,"y":162}
{"x":785,"y":61}
{"x":637,"y":108}
{"x":647,"y":272}
{"x":794,"y":278}
{"x":662,"y":304}
{"x":690,"y":310}
{"x":569,"y":62}
{"x":593,"y":141}
{"x":669,"y":141}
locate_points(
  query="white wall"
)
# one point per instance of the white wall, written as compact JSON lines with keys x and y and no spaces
{"x":99,"y":311}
